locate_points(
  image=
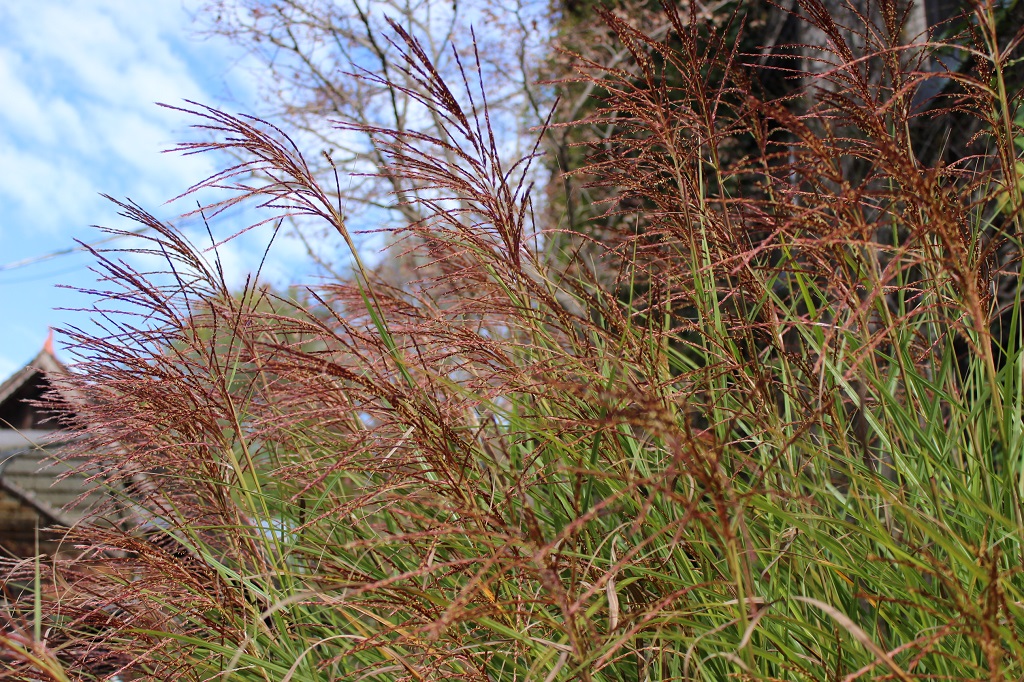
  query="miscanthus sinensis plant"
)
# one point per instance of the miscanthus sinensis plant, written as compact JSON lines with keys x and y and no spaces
{"x":767,"y":425}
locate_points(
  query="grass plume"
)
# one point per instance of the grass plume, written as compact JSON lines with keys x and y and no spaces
{"x":762,"y":424}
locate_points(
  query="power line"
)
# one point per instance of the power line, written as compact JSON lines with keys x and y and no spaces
{"x":15,"y":265}
{"x":39,"y":277}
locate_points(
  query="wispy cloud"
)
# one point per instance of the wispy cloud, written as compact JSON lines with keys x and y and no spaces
{"x":80,"y":79}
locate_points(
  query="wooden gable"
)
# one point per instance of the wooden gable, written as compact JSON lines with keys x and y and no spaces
{"x":28,"y":384}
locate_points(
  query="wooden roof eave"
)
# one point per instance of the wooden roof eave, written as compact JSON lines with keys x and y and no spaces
{"x":43,"y":362}
{"x":48,"y":513}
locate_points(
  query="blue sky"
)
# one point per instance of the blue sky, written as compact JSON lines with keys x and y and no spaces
{"x":79,"y":83}
{"x":78,"y":117}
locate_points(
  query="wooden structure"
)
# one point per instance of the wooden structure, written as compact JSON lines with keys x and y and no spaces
{"x":33,"y":494}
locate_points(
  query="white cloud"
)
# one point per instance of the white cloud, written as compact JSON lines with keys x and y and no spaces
{"x":80,"y":81}
{"x":78,"y":84}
